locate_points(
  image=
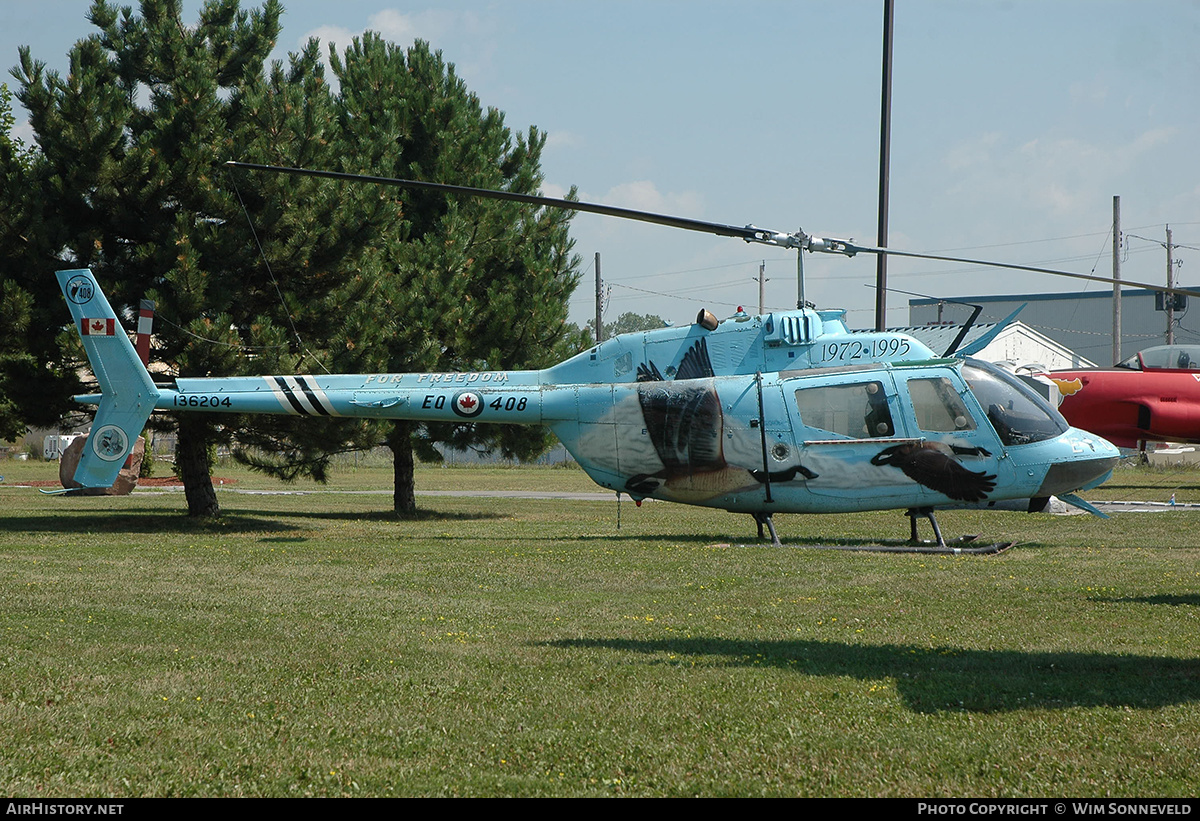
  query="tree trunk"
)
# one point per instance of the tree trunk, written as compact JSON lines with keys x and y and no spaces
{"x":195,"y":469}
{"x":404,"y":499}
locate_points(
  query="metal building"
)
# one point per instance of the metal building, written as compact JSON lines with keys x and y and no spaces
{"x":1080,"y":322}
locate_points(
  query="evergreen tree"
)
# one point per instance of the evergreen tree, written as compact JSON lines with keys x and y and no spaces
{"x":16,"y":361}
{"x":462,"y":284}
{"x":35,"y":388}
{"x":256,"y":273}
{"x":630,"y":322}
{"x":129,"y":182}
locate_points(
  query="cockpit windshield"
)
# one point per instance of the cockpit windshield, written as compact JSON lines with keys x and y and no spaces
{"x":1015,"y":410}
{"x":1164,"y":357}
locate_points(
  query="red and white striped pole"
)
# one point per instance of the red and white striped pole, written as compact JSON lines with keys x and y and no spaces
{"x":145,"y":323}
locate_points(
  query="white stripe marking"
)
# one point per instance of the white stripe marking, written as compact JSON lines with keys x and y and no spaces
{"x":280,"y":395}
{"x":320,"y":394}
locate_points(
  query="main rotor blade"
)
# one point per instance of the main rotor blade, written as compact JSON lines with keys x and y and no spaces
{"x":853,"y":249}
{"x":748,"y":232}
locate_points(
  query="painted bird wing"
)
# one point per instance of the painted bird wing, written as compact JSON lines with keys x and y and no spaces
{"x":930,"y":467}
{"x":937,"y":471}
{"x":649,"y":372}
{"x":696,"y":363}
{"x":684,"y":422}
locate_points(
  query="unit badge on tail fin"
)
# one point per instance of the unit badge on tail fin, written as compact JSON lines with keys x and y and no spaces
{"x":127,"y":394}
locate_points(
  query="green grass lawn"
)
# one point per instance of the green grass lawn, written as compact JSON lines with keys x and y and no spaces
{"x":313,"y":644}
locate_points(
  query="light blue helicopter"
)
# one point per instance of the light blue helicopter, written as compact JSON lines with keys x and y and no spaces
{"x":788,"y":412}
{"x":783,"y":413}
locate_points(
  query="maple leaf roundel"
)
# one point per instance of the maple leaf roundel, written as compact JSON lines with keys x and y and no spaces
{"x":467,"y":403}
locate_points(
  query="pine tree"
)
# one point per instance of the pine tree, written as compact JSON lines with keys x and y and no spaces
{"x":15,"y":302}
{"x":629,"y":322}
{"x":463,"y":284}
{"x":35,"y":384}
{"x":255,"y":273}
{"x":132,"y":143}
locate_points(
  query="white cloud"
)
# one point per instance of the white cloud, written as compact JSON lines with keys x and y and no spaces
{"x":395,"y":26}
{"x":459,"y":32}
{"x":329,"y":34}
{"x":639,"y":195}
{"x":432,"y":25}
{"x":23,"y":131}
{"x":1154,"y":138}
{"x":1062,"y":176}
{"x":563,"y":139}
{"x":429,"y":25}
{"x":1092,"y":92}
{"x":968,"y":155}
{"x":644,"y":195}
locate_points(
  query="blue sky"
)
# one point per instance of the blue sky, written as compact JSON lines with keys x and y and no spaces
{"x":1014,"y":124}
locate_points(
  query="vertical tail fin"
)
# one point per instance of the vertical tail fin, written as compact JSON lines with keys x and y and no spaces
{"x":127,"y":392}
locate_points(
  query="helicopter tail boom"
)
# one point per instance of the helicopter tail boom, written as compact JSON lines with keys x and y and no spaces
{"x":128,"y":395}
{"x":507,"y":397}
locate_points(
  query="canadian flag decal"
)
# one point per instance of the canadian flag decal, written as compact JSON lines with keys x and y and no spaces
{"x":467,"y":403}
{"x":97,"y":327}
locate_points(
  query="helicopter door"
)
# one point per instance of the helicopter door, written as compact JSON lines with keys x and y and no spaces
{"x":771,"y":445}
{"x":959,"y":453}
{"x":842,"y":422}
{"x":756,"y":437}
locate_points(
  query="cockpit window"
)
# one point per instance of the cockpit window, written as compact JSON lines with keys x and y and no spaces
{"x":859,"y":411}
{"x":1169,"y":357}
{"x":1133,"y":363}
{"x":1017,"y":413}
{"x":938,"y":406}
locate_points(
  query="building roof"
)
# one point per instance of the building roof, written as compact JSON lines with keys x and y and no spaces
{"x":939,"y":337}
{"x":1018,"y":343}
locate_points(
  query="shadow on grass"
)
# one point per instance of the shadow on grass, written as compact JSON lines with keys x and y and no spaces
{"x":723,"y":541}
{"x":1174,"y":600}
{"x":376,"y":515}
{"x":148,"y":520}
{"x":252,"y":520}
{"x":156,"y":520}
{"x":939,"y":679}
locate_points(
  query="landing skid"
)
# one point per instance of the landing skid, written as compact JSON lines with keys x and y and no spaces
{"x":765,"y":519}
{"x":964,"y":545}
{"x":939,"y":544}
{"x":952,"y":548}
{"x":912,"y":513}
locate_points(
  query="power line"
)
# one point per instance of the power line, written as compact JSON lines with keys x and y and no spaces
{"x":687,"y":293}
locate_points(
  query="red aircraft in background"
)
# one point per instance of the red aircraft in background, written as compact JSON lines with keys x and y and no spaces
{"x":1153,"y":396}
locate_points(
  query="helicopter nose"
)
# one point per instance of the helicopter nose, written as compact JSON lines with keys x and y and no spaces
{"x":1090,"y":464}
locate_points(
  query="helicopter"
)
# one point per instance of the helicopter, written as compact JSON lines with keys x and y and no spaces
{"x":824,"y":423}
{"x":787,"y":412}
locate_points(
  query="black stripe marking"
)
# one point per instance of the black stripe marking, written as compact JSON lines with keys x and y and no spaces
{"x":312,"y":396}
{"x":292,"y":400}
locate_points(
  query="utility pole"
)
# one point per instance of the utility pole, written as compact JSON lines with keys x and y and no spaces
{"x":762,"y":280}
{"x":599,"y":302}
{"x":1116,"y":254}
{"x":1169,"y":298}
{"x":885,"y":145}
